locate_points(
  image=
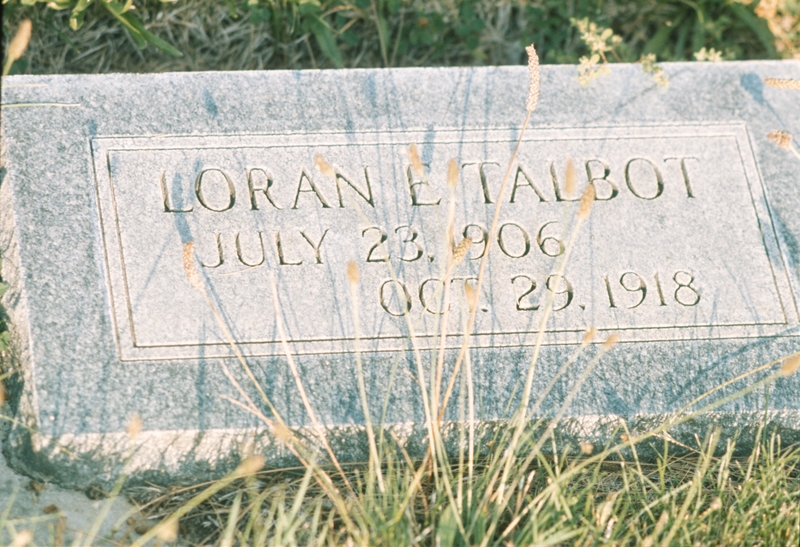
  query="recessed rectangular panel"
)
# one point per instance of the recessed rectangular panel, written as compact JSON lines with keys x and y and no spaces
{"x":679,"y":243}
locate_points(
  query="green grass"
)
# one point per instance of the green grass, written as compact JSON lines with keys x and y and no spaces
{"x":694,"y":499}
{"x":697,"y":498}
{"x":292,"y":34}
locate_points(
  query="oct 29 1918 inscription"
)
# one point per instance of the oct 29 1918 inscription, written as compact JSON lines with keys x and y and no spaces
{"x":688,"y":256}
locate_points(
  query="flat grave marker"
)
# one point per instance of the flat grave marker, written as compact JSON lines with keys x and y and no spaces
{"x":689,"y":255}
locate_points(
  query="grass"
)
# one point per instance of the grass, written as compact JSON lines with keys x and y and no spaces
{"x":703,"y":497}
{"x":698,"y":498}
{"x":517,"y":486}
{"x":294,"y":34}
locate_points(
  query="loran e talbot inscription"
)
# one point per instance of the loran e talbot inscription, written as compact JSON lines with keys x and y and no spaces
{"x":680,"y":237}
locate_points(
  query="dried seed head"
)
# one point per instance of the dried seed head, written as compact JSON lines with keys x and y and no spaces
{"x":190,"y":267}
{"x":472,"y":296}
{"x":3,"y":396}
{"x":587,"y":199}
{"x":452,"y":173}
{"x":22,"y":538}
{"x":569,"y":185}
{"x":781,"y":83}
{"x":250,"y":465}
{"x":324,"y":167}
{"x":416,"y":163}
{"x":790,"y":366}
{"x":352,"y":272}
{"x":589,"y":336}
{"x":587,"y":448}
{"x":610,"y":342}
{"x":135,"y":426}
{"x":781,"y":138}
{"x":461,"y":250}
{"x":19,"y":43}
{"x":167,"y":530}
{"x":533,"y":72}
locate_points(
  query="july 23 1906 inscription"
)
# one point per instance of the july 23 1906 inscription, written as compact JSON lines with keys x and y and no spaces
{"x":680,"y":244}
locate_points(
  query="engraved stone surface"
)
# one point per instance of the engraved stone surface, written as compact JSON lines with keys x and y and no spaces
{"x":689,"y":255}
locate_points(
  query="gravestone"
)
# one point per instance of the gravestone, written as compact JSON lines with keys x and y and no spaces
{"x":280,"y":179}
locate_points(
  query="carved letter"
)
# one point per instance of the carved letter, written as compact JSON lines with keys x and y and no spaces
{"x":487,"y":198}
{"x":219,"y":252}
{"x":659,"y":180}
{"x":261,"y":188}
{"x":685,"y":173}
{"x":604,"y":178}
{"x":239,"y":251}
{"x":198,"y":190}
{"x":312,"y":188}
{"x":412,"y":184}
{"x":281,"y":259}
{"x":315,"y":246}
{"x":366,"y":197}
{"x":405,"y":307}
{"x":167,"y":207}
{"x":556,"y":187}
{"x":484,"y":182}
{"x":529,"y":182}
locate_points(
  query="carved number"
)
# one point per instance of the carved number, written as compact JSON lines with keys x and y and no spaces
{"x":641,"y":287}
{"x":542,"y":241}
{"x":552,"y":283}
{"x":381,"y":240}
{"x":484,"y":234}
{"x":685,"y":294}
{"x":528,"y":306}
{"x":567,"y":290}
{"x":687,"y":285}
{"x":413,"y":239}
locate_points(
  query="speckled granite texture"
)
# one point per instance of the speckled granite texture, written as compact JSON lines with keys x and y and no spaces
{"x":690,"y":255}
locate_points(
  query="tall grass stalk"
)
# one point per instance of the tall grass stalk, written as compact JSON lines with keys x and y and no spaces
{"x":321,"y":431}
{"x":530,"y":106}
{"x":375,"y":463}
{"x":279,"y":429}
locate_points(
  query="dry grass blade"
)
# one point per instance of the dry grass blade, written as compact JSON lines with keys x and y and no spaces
{"x":783,"y":83}
{"x":300,"y":388}
{"x":247,"y":468}
{"x":452,"y":173}
{"x":587,"y":199}
{"x":19,"y":43}
{"x":193,"y":275}
{"x":416,"y":163}
{"x":533,"y":98}
{"x":190,"y":267}
{"x":569,"y":184}
{"x":324,"y":167}
{"x":375,"y":463}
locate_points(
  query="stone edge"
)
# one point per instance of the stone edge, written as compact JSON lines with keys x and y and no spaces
{"x":188,"y":457}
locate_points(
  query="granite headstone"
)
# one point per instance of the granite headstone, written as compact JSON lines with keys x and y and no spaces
{"x":690,"y":254}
